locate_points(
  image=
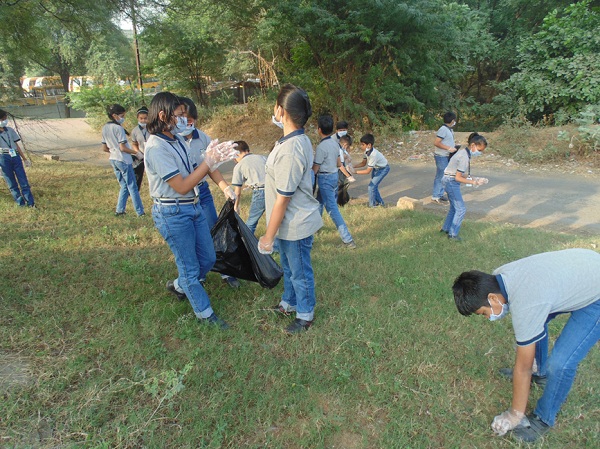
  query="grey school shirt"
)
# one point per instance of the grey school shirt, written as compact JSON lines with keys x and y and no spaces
{"x":140,"y":135}
{"x":288,"y":173}
{"x":113,"y":134}
{"x":447,"y":135}
{"x":539,"y":286}
{"x":459,"y":162}
{"x":8,"y":137}
{"x":250,"y":170}
{"x":197,"y":145}
{"x":164,"y":159}
{"x":326,"y":155}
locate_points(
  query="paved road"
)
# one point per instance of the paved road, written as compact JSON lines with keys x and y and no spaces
{"x":545,"y":200}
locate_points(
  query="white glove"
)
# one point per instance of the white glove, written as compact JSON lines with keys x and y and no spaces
{"x":139,"y":155}
{"x":217,"y":153}
{"x":230,"y":193}
{"x":508,"y":420}
{"x":351,"y":179}
{"x":265,"y":247}
{"x":27,"y":163}
{"x":480,"y":181}
{"x":351,"y":169}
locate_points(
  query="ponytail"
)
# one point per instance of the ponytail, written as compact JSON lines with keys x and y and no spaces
{"x":477,"y":139}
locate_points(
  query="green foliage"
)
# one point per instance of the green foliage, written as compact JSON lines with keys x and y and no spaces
{"x":586,"y":138}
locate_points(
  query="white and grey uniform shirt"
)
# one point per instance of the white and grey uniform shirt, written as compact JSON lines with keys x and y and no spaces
{"x":544,"y":285}
{"x":288,"y":173}
{"x":447,"y":135}
{"x":112,"y":136}
{"x":164,"y":159}
{"x":459,"y":162}
{"x":250,"y":170}
{"x":140,"y":136}
{"x":326,"y":155}
{"x":197,"y":144}
{"x":375,"y":159}
{"x":8,"y":138}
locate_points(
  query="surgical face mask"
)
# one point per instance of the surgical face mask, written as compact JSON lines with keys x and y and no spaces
{"x":342,"y":133}
{"x":187,"y":131}
{"x":276,"y":123}
{"x":120,"y":120}
{"x":4,"y":123}
{"x":181,"y":125}
{"x":453,"y":124}
{"x":502,"y":314}
{"x":142,"y":125}
{"x":475,"y":153}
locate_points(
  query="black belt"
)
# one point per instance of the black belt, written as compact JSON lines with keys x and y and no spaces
{"x":257,"y":187}
{"x":176,"y":200}
{"x":6,"y":151}
{"x":326,"y":173}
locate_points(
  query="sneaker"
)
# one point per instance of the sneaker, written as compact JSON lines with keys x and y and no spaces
{"x":215,"y":321}
{"x":298,"y":326}
{"x":439,"y":200}
{"x":456,"y":238}
{"x":535,"y":430}
{"x":350,"y":244}
{"x":119,"y":214}
{"x":281,"y":311}
{"x":535,"y":379}
{"x":232,"y":282}
{"x":172,"y":289}
{"x":442,"y":231}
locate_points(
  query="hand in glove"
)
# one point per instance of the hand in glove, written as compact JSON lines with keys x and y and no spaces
{"x":351,"y":179}
{"x":27,"y":163}
{"x":508,"y":420}
{"x":230,"y":193}
{"x":480,"y":181}
{"x":265,"y":247}
{"x":351,"y":169}
{"x":139,"y":155}
{"x":217,"y":153}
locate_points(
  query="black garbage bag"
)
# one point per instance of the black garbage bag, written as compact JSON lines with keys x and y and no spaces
{"x":343,"y":197}
{"x":237,"y":251}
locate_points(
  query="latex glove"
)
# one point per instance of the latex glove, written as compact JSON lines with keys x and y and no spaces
{"x":217,"y":153}
{"x":351,"y":169}
{"x":480,"y":181}
{"x":139,"y":155}
{"x":230,"y":193}
{"x":351,"y":179}
{"x":508,"y":420}
{"x":27,"y":163}
{"x":265,"y":247}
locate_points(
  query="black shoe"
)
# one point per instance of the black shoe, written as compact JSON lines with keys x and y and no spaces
{"x":442,"y":231}
{"x":298,"y":326}
{"x":215,"y":321}
{"x":280,"y":310}
{"x":119,"y":214}
{"x":172,"y":289}
{"x":350,"y":244}
{"x":456,"y":238}
{"x":232,"y":282}
{"x":535,"y":430}
{"x":535,"y":379}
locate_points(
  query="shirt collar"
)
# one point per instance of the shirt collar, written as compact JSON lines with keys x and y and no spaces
{"x":368,"y":152}
{"x":165,"y":137}
{"x":325,"y":138}
{"x":502,"y":286}
{"x":195,"y":134}
{"x":298,"y":132}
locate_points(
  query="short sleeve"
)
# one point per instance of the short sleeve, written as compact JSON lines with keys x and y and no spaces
{"x":443,"y":132}
{"x":13,"y":135}
{"x":319,"y":155}
{"x":162,"y":162}
{"x":120,"y":134}
{"x":135,"y":135}
{"x":289,"y":171}
{"x":237,"y":179}
{"x":529,"y":323}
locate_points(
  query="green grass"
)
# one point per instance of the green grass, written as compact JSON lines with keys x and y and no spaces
{"x":116,"y":362}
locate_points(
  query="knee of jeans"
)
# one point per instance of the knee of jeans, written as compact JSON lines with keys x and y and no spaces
{"x":556,"y":366}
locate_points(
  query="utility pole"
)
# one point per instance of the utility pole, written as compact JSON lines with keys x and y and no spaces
{"x":137,"y":48}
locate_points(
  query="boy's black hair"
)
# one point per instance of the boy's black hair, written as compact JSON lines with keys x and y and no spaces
{"x":449,"y":117}
{"x":325,"y":123}
{"x":471,"y":290}
{"x":342,"y":124}
{"x":192,"y":110}
{"x":295,"y":103}
{"x":166,"y":102}
{"x":477,"y":139}
{"x":369,"y":139}
{"x":3,"y":114}
{"x":242,"y":146}
{"x":347,"y":139}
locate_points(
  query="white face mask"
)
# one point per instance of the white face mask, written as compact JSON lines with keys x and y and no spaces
{"x":187,"y":131}
{"x":502,"y":314}
{"x":120,"y":120}
{"x":181,"y":125}
{"x":4,"y":123}
{"x":142,"y":125}
{"x":342,"y":133}
{"x":276,"y":123}
{"x":475,"y":153}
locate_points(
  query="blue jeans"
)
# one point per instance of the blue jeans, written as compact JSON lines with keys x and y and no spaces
{"x":579,"y":335}
{"x":441,"y":162}
{"x":377,"y":175}
{"x":298,"y":277}
{"x":126,"y":177}
{"x":327,"y":196}
{"x":208,"y":204}
{"x":16,"y":179}
{"x":457,"y":211}
{"x":184,"y":228}
{"x":257,"y":208}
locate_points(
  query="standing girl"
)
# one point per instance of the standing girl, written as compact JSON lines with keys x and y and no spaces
{"x":454,"y":176}
{"x":292,"y":210}
{"x":173,"y":183}
{"x":139,"y":136}
{"x":11,"y":163}
{"x":114,"y":141}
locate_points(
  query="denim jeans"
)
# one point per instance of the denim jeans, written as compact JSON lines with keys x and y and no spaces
{"x":579,"y":335}
{"x":257,"y":208}
{"x":184,"y":228}
{"x":298,"y":277}
{"x":377,"y":175}
{"x":327,"y":196}
{"x":16,"y":179}
{"x":457,"y":211}
{"x":208,"y":204}
{"x":126,"y":178}
{"x":441,"y":162}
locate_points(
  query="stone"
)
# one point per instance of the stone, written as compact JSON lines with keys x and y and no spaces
{"x":408,"y":203}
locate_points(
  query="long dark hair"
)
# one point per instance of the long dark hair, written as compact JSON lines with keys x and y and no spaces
{"x":477,"y":139}
{"x":115,"y":109}
{"x":192,"y":110}
{"x":166,"y":102}
{"x":296,"y":103}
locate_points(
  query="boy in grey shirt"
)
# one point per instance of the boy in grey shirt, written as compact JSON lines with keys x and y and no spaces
{"x":444,"y":146}
{"x":535,"y":290}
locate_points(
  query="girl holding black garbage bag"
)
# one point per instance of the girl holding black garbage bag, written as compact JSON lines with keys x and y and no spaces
{"x":177,"y":214}
{"x":292,"y":211}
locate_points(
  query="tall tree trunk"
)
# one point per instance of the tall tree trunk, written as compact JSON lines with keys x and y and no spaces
{"x":64,"y":77}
